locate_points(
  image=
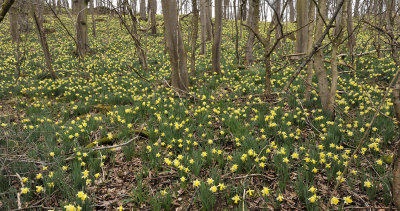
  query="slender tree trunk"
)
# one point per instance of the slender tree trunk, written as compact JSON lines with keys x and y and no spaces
{"x":351,"y":40}
{"x":203,"y":20}
{"x":153,"y":11}
{"x":93,"y":20}
{"x":38,"y":19}
{"x":14,"y":23}
{"x":209,"y":31}
{"x":176,"y":49}
{"x":195,"y":30}
{"x":302,"y":21}
{"x":292,"y":11}
{"x":216,"y":49}
{"x":356,"y":9}
{"x":254,"y":16}
{"x":311,"y":16}
{"x":323,"y":87}
{"x":338,"y":32}
{"x":226,"y":9}
{"x":143,"y":10}
{"x":276,"y":19}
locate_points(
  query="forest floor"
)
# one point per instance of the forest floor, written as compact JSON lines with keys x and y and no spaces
{"x":101,"y":137}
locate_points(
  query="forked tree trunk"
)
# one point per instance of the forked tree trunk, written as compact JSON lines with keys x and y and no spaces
{"x":216,"y":48}
{"x":38,"y":19}
{"x":254,"y":16}
{"x":153,"y":11}
{"x":176,"y":49}
{"x":195,"y":30}
{"x":82,"y":39}
{"x":311,"y":17}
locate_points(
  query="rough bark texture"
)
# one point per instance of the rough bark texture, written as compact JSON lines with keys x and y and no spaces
{"x":80,"y":7}
{"x":302,"y":20}
{"x":38,"y":19}
{"x":153,"y":11}
{"x":209,"y":31}
{"x":195,"y":30}
{"x":176,"y":49}
{"x":14,"y":23}
{"x":311,"y":17}
{"x":356,"y":9}
{"x":216,"y":48}
{"x":323,"y":87}
{"x":143,"y":10}
{"x":276,"y":18}
{"x":254,"y":16}
{"x":5,"y":7}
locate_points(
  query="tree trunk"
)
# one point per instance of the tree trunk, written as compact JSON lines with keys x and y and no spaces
{"x":254,"y":16}
{"x":209,"y":31}
{"x":38,"y":19}
{"x":153,"y":11}
{"x":338,"y":32}
{"x":216,"y":48}
{"x":80,"y":7}
{"x":195,"y":30}
{"x":14,"y":23}
{"x":302,"y":21}
{"x":93,"y":20}
{"x":276,"y":19}
{"x":143,"y":10}
{"x":226,"y":9}
{"x":351,"y":40}
{"x":203,"y":20}
{"x":4,"y":8}
{"x":323,"y":87}
{"x":292,"y":11}
{"x":311,"y":17}
{"x":176,"y":49}
{"x":356,"y":9}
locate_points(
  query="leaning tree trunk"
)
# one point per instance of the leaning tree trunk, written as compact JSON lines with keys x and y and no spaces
{"x":82,"y":39}
{"x":153,"y":11}
{"x":175,"y":45}
{"x":38,"y":19}
{"x":322,"y":77}
{"x":216,"y":48}
{"x":254,"y":16}
{"x":5,"y":7}
{"x":195,"y":30}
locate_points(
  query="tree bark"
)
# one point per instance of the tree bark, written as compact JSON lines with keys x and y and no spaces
{"x":226,"y":9}
{"x":323,"y":87}
{"x":216,"y":49}
{"x":356,"y":9}
{"x":254,"y":16}
{"x":203,"y":20}
{"x":195,"y":30}
{"x":311,"y":17}
{"x":276,"y":19}
{"x":302,"y":20}
{"x":5,"y":7}
{"x":153,"y":11}
{"x":143,"y":10}
{"x":292,"y":12}
{"x":175,"y":45}
{"x":351,"y":40}
{"x":80,"y":7}
{"x":38,"y":19}
{"x":14,"y":23}
{"x":93,"y":20}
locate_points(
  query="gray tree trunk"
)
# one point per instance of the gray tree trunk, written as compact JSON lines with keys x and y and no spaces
{"x":82,"y":39}
{"x":254,"y":16}
{"x":143,"y":10}
{"x":216,"y":49}
{"x":302,"y":21}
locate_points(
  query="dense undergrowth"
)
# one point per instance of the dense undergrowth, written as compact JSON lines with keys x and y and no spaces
{"x":220,"y":147}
